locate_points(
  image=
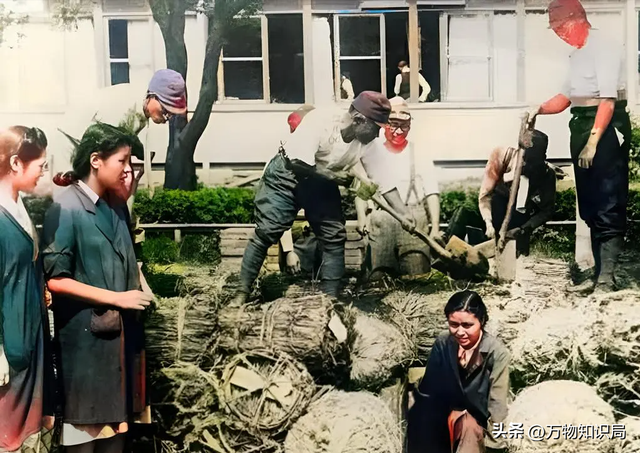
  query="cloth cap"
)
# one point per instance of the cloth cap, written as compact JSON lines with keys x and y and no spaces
{"x":399,"y":109}
{"x":373,"y":105}
{"x":561,"y":11}
{"x":169,"y":88}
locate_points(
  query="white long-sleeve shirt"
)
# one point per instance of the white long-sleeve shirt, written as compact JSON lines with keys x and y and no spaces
{"x":426,"y":88}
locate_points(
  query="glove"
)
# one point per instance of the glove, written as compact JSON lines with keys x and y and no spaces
{"x":293,"y":263}
{"x":366,"y":191}
{"x":585,"y":159}
{"x":4,"y":368}
{"x":490,"y":231}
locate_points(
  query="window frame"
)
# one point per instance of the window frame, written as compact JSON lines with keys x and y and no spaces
{"x":130,"y":17}
{"x":337,"y":57}
{"x":445,"y":56}
{"x":264,"y":58}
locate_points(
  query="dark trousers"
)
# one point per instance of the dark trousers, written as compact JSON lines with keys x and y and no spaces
{"x":279,"y":197}
{"x":602,"y":189}
{"x":467,"y":220}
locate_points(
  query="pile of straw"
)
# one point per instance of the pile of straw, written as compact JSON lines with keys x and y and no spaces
{"x":632,"y":443}
{"x":308,"y":328}
{"x":225,"y":440}
{"x":557,"y":343}
{"x":342,"y":422}
{"x":379,"y":350}
{"x":264,"y":392}
{"x":420,"y":317}
{"x":559,"y":403}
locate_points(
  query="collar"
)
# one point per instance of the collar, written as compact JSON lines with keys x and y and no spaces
{"x":406,"y":69}
{"x":88,"y":191}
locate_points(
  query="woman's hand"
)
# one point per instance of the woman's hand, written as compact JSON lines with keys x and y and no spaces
{"x":132,"y":300}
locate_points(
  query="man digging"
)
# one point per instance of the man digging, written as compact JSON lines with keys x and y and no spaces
{"x":305,"y":174}
{"x":409,"y":182}
{"x":600,"y":135}
{"x":537,"y":193}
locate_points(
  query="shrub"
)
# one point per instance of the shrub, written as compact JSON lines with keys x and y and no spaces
{"x":160,"y":250}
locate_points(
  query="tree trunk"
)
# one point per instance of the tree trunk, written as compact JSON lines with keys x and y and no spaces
{"x":179,"y":169}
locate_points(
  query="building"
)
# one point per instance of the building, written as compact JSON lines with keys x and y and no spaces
{"x":486,"y":61}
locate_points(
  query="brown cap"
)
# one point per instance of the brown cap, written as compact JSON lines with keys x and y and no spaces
{"x":373,"y":105}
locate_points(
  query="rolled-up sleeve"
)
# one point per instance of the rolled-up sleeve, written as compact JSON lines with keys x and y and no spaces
{"x":59,"y":243}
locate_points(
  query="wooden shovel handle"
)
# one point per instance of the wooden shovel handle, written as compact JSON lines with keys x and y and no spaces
{"x":525,"y":127}
{"x":417,"y":232}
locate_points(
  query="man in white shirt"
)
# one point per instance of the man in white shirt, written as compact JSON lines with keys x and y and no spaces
{"x":407,"y":179}
{"x":403,"y":83}
{"x":600,"y":134}
{"x":324,"y":149}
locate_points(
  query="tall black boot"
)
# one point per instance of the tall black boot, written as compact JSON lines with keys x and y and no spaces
{"x":610,"y":253}
{"x":252,"y":260}
{"x":588,"y":286}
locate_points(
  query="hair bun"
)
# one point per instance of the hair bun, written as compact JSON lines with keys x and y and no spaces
{"x":64,"y":179}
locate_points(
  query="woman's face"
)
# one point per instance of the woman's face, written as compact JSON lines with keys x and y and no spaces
{"x":113,"y":171}
{"x":465,"y":328}
{"x":28,"y":174}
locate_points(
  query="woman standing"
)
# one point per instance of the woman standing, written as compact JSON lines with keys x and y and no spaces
{"x":24,"y":327}
{"x":92,"y":274}
{"x":465,"y":387}
{"x":600,"y":134}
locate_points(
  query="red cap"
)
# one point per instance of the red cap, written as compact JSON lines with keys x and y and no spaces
{"x":294,"y":121}
{"x":560,"y":11}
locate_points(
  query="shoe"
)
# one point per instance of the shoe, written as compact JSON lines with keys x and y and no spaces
{"x":609,"y":254}
{"x":585,"y":288}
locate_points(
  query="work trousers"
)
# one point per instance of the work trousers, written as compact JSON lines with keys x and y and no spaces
{"x":603,"y":188}
{"x":279,"y":197}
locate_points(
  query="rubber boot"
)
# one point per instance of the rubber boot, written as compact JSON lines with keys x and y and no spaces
{"x":587,"y":287}
{"x":610,"y":253}
{"x":252,"y":260}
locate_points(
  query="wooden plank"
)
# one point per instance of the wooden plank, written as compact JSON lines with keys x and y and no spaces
{"x":233,"y":243}
{"x":232,"y":252}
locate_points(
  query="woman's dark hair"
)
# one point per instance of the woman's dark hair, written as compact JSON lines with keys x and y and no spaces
{"x":100,"y":138}
{"x":28,"y":143}
{"x":469,"y":301}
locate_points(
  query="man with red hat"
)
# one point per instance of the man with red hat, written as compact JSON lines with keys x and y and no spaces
{"x":324,"y":150}
{"x":600,"y":134}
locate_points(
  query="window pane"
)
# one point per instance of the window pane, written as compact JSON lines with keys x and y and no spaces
{"x":119,"y":73}
{"x":359,"y":36}
{"x":430,"y":51}
{"x":286,"y":60}
{"x":243,"y":80}
{"x":364,"y":74}
{"x":118,"y":39}
{"x":468,"y":80}
{"x":396,"y":45}
{"x":244,"y":38}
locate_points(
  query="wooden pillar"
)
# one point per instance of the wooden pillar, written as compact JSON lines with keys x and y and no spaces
{"x":307,"y":33}
{"x":414,"y":56}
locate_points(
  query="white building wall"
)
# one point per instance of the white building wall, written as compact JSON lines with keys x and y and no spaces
{"x":54,"y":79}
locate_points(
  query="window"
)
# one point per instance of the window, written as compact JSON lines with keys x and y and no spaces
{"x":469,"y":58}
{"x":286,"y":58}
{"x":118,"y":51}
{"x":359,"y":52}
{"x":242,"y":60}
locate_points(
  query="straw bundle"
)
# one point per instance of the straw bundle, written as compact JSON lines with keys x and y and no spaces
{"x":632,"y":443}
{"x":556,"y":343}
{"x":378,"y":351}
{"x":178,"y":329}
{"x":342,"y":422}
{"x":420,"y":317}
{"x":225,"y":440}
{"x":308,"y":328}
{"x":263,"y":392}
{"x":560,"y":403}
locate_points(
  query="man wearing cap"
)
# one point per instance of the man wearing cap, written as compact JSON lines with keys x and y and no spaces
{"x":600,"y":134}
{"x":325,"y":148}
{"x":403,"y":83}
{"x":407,"y":181}
{"x":534,"y":206}
{"x":166,"y":96}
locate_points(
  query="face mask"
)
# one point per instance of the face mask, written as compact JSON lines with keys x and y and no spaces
{"x":359,"y":128}
{"x":397,"y":136}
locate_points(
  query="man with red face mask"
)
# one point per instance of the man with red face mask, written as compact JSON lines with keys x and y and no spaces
{"x":409,"y":184}
{"x":600,"y":134}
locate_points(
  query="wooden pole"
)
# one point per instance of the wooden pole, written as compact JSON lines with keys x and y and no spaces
{"x":414,"y":56}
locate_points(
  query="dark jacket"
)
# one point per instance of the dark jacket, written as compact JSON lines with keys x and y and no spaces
{"x":91,"y":246}
{"x":483,"y":393}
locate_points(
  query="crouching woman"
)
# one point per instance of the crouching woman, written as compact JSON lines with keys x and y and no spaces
{"x":465,"y":387}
